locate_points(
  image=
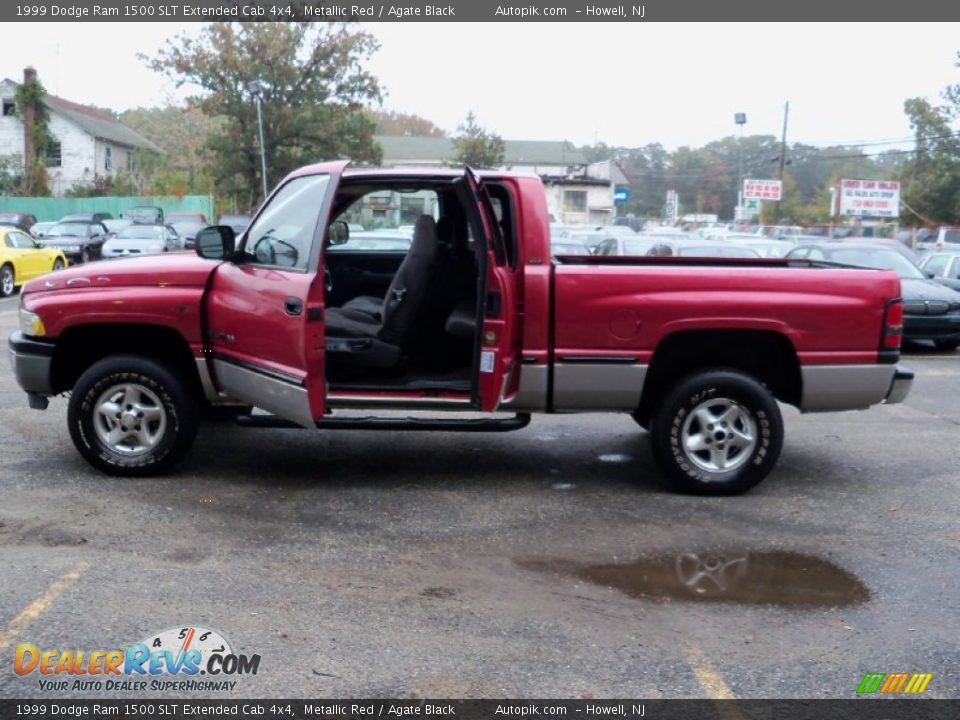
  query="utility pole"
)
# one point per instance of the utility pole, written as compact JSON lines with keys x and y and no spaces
{"x":740,"y":119}
{"x":256,"y":89}
{"x":783,"y":158}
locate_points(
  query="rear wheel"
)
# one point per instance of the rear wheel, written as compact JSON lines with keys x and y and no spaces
{"x":718,"y":433}
{"x":85,"y":255}
{"x":129,"y":415}
{"x":946,"y":344}
{"x":7,"y":281}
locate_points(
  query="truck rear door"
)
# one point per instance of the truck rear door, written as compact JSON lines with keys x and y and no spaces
{"x":264,"y":308}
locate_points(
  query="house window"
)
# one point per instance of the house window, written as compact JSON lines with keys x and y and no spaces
{"x":108,"y":159}
{"x":575,"y":200}
{"x":55,"y":154}
{"x":9,"y":107}
{"x":131,"y":164}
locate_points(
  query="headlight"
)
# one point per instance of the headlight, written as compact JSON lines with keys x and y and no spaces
{"x":31,"y":324}
{"x":155,"y":248}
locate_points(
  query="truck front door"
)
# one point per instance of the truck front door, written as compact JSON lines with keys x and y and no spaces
{"x":264,"y":308}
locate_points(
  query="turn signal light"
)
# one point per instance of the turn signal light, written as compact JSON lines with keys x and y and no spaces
{"x":893,"y":325}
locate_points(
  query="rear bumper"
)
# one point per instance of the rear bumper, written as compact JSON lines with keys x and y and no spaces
{"x":900,"y":387}
{"x":31,"y":359}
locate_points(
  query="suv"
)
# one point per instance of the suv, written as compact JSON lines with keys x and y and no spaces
{"x":87,"y":217}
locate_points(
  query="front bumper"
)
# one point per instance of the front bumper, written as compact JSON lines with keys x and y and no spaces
{"x":32,"y":359}
{"x":900,"y":387}
{"x":931,"y":327}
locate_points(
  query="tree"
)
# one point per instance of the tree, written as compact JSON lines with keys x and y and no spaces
{"x":931,"y":179}
{"x":310,"y":77}
{"x":389,"y":122}
{"x":476,"y":147}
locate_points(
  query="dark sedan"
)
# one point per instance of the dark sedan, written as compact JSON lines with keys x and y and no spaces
{"x":79,"y":241}
{"x":930,"y":310}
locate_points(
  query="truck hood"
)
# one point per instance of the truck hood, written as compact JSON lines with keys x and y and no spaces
{"x":167,"y":270}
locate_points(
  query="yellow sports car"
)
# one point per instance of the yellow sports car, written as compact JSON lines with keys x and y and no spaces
{"x":22,"y":259}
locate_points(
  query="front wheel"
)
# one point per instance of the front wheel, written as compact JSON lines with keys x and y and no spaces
{"x":130,"y":416}
{"x":718,"y":433}
{"x":85,"y":255}
{"x":946,"y":344}
{"x":8,"y":282}
{"x":58,"y":265}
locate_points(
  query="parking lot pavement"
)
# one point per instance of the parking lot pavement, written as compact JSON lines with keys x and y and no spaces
{"x":545,"y":562}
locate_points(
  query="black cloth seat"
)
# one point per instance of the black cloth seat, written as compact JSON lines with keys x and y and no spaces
{"x":379,"y":341}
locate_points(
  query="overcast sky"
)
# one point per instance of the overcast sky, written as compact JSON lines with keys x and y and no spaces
{"x":621,"y":83}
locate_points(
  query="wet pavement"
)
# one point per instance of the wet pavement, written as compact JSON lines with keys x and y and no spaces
{"x":542,"y":563}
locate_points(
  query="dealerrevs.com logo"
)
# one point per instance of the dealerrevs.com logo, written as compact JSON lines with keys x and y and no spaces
{"x":177,"y":659}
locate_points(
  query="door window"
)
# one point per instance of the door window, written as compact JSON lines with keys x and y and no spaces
{"x":283,"y":233}
{"x":19,"y":241}
{"x":937,"y":264}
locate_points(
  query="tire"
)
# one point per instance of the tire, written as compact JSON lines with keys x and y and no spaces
{"x":58,"y":265}
{"x":85,"y":255}
{"x":700,"y":405}
{"x":8,"y":281}
{"x":131,"y":446}
{"x":946,"y":344}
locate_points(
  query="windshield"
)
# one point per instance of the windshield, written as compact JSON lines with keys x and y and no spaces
{"x":632,"y":246}
{"x":142,"y":232}
{"x":68,"y":230}
{"x":878,"y":258}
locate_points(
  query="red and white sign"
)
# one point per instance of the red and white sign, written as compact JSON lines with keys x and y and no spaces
{"x":762,"y":189}
{"x":870,"y":198}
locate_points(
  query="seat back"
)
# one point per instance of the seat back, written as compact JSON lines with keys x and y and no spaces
{"x":409,"y":286}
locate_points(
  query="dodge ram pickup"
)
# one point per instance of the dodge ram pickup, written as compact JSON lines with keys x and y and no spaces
{"x":471,"y":314}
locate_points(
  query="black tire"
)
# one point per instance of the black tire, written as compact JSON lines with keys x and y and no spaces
{"x":8,"y":281}
{"x":58,"y":265}
{"x":156,"y":387}
{"x":706,"y":395}
{"x":85,"y":255}
{"x":946,"y":344}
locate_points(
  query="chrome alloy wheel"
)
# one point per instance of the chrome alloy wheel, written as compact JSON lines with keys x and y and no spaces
{"x":7,"y":281}
{"x":129,"y":419}
{"x":719,"y":435}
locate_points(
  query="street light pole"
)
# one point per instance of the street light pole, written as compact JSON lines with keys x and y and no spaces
{"x":257,"y":90}
{"x":740,"y":119}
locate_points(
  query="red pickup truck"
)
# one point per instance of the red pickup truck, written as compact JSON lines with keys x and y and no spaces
{"x":302,"y":321}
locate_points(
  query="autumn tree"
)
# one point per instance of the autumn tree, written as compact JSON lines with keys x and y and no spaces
{"x":390,"y":122}
{"x":476,"y":147}
{"x":312,"y":82}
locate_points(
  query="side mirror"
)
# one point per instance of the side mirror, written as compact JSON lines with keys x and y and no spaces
{"x":929,"y":274}
{"x":216,"y":243}
{"x":339,"y":232}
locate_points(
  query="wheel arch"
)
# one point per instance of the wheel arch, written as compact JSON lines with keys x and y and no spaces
{"x":81,"y":346}
{"x":766,"y":355}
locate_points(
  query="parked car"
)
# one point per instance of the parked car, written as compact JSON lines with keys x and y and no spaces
{"x":142,"y":240}
{"x":24,"y":221}
{"x":634,"y":244}
{"x":144,"y":214}
{"x":944,"y":267}
{"x":22,"y":258}
{"x":704,"y":249}
{"x":80,"y":241}
{"x":187,"y":229}
{"x":116,"y":225}
{"x":766,"y":248}
{"x":184,"y":216}
{"x":38,"y":230}
{"x":568,"y":247}
{"x":931,"y":311}
{"x":237,"y":222}
{"x":374,"y":240}
{"x":87,"y":217}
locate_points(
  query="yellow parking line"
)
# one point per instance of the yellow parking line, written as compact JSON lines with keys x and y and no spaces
{"x":713,"y":684}
{"x":39,"y":606}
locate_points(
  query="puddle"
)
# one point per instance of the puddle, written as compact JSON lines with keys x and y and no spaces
{"x":777,"y":578}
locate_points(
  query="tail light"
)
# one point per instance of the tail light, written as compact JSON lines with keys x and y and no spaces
{"x":892,"y":325}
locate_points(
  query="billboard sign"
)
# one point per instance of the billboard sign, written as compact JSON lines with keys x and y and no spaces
{"x":870,"y":198}
{"x":762,"y":189}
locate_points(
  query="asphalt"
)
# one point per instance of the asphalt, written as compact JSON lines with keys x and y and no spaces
{"x":542,"y":563}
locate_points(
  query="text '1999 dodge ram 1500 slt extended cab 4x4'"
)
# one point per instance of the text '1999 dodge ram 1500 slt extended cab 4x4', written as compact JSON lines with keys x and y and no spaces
{"x":472,"y":314}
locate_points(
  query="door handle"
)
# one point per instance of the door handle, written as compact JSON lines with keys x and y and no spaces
{"x":293,"y":306}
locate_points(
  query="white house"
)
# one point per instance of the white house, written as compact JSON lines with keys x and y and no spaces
{"x":88,"y":142}
{"x":577,"y":192}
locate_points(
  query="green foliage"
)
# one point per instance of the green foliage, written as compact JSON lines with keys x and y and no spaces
{"x":11,"y":174}
{"x":476,"y":147}
{"x":104,"y":186}
{"x":34,"y":180}
{"x":312,"y":83}
{"x":931,"y":179}
{"x":396,"y":123}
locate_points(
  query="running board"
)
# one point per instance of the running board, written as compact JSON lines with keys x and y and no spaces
{"x":517,"y":422}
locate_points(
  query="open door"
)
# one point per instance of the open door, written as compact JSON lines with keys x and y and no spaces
{"x":264,"y":310}
{"x":497,"y":336}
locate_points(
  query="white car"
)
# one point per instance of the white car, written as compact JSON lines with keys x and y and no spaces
{"x":142,"y":240}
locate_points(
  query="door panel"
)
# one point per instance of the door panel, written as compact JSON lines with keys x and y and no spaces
{"x":264,"y":309}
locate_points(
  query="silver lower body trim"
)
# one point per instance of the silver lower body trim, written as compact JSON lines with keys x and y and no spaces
{"x":283,"y":399}
{"x":828,"y":388}
{"x":597,"y":386}
{"x":531,"y":395}
{"x":418,"y":403}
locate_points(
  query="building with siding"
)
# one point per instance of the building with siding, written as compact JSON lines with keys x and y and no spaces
{"x":88,"y":142}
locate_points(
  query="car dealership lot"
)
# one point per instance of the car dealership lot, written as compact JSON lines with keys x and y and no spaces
{"x":460,"y":565}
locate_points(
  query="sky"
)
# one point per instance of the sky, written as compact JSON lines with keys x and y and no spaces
{"x":626,"y":84}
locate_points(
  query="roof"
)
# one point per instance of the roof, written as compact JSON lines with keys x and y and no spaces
{"x":94,"y":122}
{"x":98,"y":123}
{"x":399,"y":148}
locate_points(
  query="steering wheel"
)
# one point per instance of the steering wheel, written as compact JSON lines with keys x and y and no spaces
{"x":327,"y":280}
